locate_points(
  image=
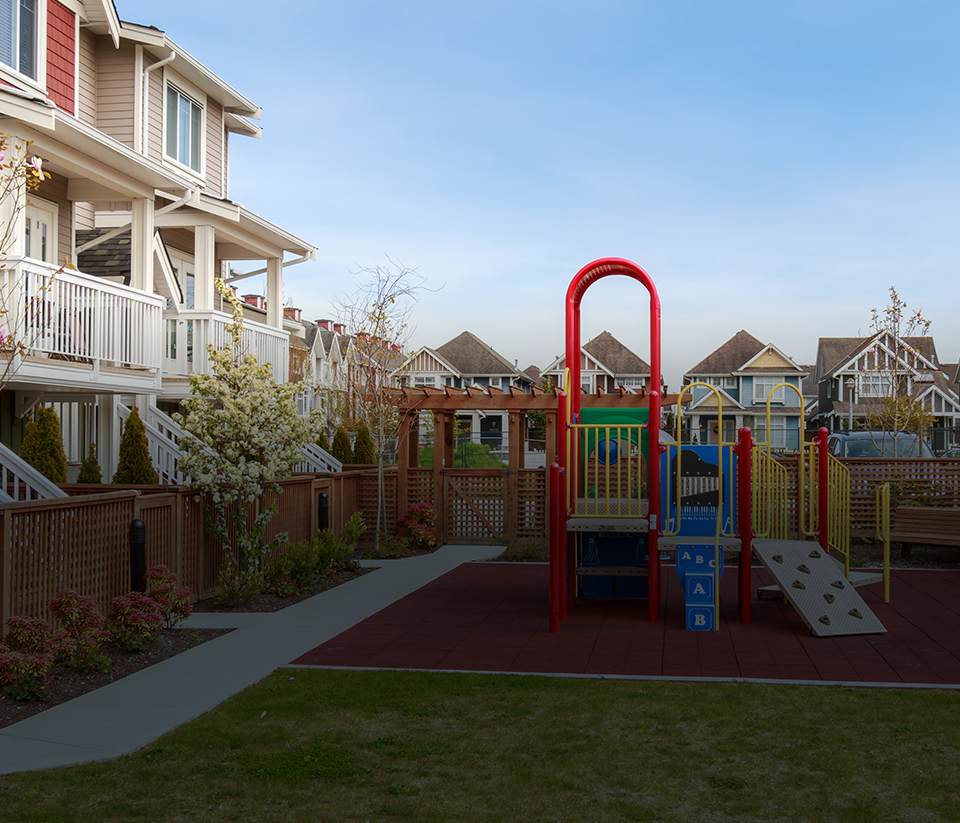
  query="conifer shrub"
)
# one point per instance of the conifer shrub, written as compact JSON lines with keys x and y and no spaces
{"x":364,"y":450}
{"x":323,"y":443}
{"x":43,"y":446}
{"x":134,"y":465}
{"x":341,"y":446}
{"x":90,"y":468}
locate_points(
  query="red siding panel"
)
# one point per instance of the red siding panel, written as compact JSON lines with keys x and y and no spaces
{"x":61,"y":55}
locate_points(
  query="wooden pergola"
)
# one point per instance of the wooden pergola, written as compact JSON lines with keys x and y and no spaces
{"x":444,"y":404}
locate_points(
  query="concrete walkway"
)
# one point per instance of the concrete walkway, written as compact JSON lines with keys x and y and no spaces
{"x":127,"y":715}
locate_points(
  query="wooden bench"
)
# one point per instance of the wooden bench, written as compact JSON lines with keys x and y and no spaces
{"x":925,"y":525}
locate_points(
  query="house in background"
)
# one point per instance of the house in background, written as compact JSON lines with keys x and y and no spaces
{"x":464,"y":362}
{"x":855,"y":374}
{"x":606,"y":365}
{"x":746,"y":374}
{"x":135,"y":133}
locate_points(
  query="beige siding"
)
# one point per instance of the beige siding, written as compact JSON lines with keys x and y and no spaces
{"x":115,"y":93}
{"x":425,"y":362}
{"x":55,"y":191}
{"x":180,"y":239}
{"x":83,"y":216}
{"x":87,"y":88}
{"x":214,"y":148}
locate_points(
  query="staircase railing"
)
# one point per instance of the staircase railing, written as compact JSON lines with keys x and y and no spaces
{"x":21,"y":481}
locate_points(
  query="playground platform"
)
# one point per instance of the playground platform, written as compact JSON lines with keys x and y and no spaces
{"x":494,"y":617}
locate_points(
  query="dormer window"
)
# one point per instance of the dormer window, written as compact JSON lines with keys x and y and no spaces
{"x":18,"y":36}
{"x":184,"y":128}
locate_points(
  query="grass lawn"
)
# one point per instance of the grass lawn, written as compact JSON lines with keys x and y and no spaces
{"x":310,"y":745}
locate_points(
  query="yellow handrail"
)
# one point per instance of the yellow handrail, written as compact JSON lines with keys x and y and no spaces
{"x":882,"y":496}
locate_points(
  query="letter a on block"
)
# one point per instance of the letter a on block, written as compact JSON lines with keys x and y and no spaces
{"x":698,"y":589}
{"x":699,"y":620}
{"x":685,"y":555}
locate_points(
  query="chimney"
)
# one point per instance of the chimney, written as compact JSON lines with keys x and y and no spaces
{"x":339,"y":328}
{"x":292,"y":313}
{"x":255,"y":300}
{"x":325,"y":324}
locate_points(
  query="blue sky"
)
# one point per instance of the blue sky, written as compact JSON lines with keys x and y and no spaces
{"x":775,"y":167}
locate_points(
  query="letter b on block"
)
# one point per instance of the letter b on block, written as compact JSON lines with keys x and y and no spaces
{"x":700,"y":619}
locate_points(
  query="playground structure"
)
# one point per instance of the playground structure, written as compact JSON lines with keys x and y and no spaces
{"x":624,"y":496}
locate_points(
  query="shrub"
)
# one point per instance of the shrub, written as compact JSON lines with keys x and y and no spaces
{"x":364,"y":451}
{"x":416,"y":527}
{"x":23,"y":676}
{"x":323,"y":443}
{"x":235,"y":586}
{"x":42,"y":446}
{"x":174,"y":601}
{"x":391,"y":547}
{"x":133,"y":464}
{"x":341,"y":449}
{"x":83,"y":622}
{"x":134,"y":619}
{"x":26,"y":656}
{"x":90,"y":468}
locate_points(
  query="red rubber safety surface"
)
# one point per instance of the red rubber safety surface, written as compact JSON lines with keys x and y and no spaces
{"x":494,"y":617}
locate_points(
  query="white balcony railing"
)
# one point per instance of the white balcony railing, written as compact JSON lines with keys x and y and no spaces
{"x":188,"y":333}
{"x":73,"y":316}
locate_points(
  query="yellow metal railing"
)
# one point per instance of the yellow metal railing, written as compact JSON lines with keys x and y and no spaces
{"x":609,"y":479}
{"x":768,"y":496}
{"x":883,"y":533}
{"x":838,"y":509}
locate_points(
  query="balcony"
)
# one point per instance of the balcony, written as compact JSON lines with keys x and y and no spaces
{"x":80,"y":332}
{"x":187,"y":334}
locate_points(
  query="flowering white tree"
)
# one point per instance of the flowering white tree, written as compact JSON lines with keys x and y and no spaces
{"x":246,"y":435}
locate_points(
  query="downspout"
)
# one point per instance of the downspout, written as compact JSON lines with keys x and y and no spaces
{"x":145,"y":102}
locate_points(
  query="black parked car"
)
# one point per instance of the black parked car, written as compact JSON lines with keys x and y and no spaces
{"x":877,"y":444}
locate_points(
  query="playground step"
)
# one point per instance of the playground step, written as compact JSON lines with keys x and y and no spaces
{"x":671,"y":543}
{"x":612,"y":571}
{"x":814,"y":585}
{"x":857,"y":579}
{"x":607,"y":524}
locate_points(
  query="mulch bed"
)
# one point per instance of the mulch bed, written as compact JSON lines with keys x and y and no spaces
{"x":66,"y":683}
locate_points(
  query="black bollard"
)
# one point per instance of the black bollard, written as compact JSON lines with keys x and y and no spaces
{"x":323,"y":511}
{"x":138,"y":555}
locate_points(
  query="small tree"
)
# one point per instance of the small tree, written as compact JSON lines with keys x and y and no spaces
{"x":888,"y":368}
{"x":323,"y":443}
{"x":23,"y":316}
{"x":90,"y":468}
{"x":341,"y":449}
{"x":134,"y":466}
{"x":364,"y":452}
{"x":379,"y":313}
{"x":245,"y":433}
{"x":43,"y":446}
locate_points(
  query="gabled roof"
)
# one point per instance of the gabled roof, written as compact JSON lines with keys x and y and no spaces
{"x":618,"y":359}
{"x":730,"y":357}
{"x":709,"y":401}
{"x":111,"y":258}
{"x":834,"y":353}
{"x":471,"y":357}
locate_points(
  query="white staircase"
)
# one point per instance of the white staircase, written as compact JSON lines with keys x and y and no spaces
{"x":23,"y":480}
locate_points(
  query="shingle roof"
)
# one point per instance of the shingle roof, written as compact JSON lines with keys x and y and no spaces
{"x":835,"y":351}
{"x":729,"y":357}
{"x":615,"y":356}
{"x":111,"y":258}
{"x":471,"y":357}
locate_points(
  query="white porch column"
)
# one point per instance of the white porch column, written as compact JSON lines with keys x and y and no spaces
{"x":204,"y":267}
{"x":108,"y":435}
{"x":141,"y":245}
{"x":275,"y":292}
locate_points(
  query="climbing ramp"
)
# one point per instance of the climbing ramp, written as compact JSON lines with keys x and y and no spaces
{"x":814,"y":585}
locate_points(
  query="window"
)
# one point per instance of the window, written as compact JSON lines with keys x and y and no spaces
{"x":762,"y":387}
{"x":18,"y":35}
{"x":184,"y":128}
{"x":876,"y":384}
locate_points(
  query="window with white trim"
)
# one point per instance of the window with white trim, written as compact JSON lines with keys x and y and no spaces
{"x":762,"y":387}
{"x":18,"y":36}
{"x":876,"y":384}
{"x":184,"y":138}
